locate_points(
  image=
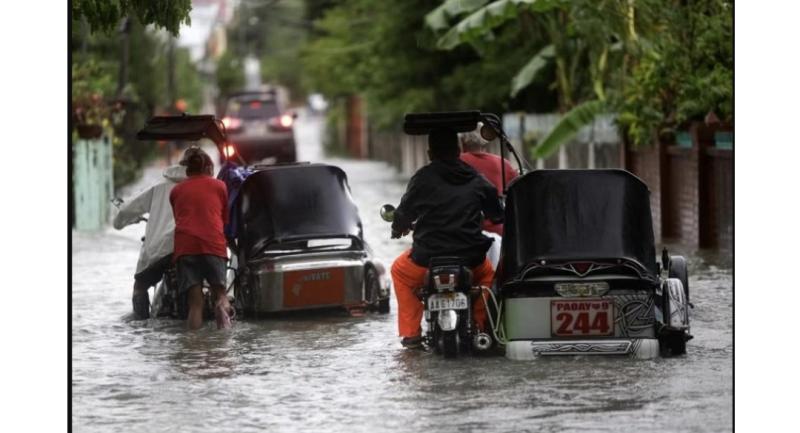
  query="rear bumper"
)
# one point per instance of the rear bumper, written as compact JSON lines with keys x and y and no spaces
{"x":302,"y":283}
{"x":283,"y":150}
{"x":640,"y":348}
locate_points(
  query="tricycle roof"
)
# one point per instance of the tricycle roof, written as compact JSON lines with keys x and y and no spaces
{"x":571,"y":215}
{"x":184,"y":127}
{"x":424,"y":123}
{"x":298,"y":201}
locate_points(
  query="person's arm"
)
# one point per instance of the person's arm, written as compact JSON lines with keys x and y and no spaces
{"x":490,"y":203}
{"x":224,"y":198}
{"x":133,"y":211}
{"x":407,"y":212}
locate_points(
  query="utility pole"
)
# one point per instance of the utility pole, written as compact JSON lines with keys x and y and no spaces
{"x":124,"y":30}
{"x":170,"y":88}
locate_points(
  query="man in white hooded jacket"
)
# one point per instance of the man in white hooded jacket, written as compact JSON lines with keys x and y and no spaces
{"x":155,"y":256}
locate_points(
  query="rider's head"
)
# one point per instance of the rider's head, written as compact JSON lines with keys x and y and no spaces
{"x":472,"y":142}
{"x":443,"y":144}
{"x":197,"y":162}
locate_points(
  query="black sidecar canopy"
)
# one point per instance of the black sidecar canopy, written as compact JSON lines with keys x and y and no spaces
{"x":184,"y":127}
{"x":567,"y":215}
{"x":424,"y":123}
{"x":292,"y":202}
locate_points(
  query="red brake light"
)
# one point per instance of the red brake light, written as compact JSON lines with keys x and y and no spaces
{"x":581,"y":267}
{"x":255,"y":104}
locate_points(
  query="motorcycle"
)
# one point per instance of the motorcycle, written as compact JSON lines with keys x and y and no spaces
{"x":167,"y":302}
{"x":447,"y":296}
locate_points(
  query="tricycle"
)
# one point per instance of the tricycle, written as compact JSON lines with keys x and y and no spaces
{"x":296,"y":237}
{"x":578,"y":273}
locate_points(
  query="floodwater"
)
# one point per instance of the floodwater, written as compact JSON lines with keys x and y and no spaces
{"x":343,"y":374}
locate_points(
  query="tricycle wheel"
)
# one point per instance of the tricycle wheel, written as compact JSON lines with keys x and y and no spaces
{"x":678,"y":269}
{"x":372,"y":287}
{"x":673,"y":344}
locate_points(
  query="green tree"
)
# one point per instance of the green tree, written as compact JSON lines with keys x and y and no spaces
{"x":589,"y":43}
{"x":389,"y":57}
{"x":687,"y":73}
{"x":105,"y":15}
{"x":230,"y":73}
{"x":95,"y":71}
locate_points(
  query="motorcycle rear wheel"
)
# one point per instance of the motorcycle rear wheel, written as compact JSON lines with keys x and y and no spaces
{"x":449,"y":343}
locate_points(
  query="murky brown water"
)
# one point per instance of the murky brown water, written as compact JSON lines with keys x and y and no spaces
{"x":335,"y":373}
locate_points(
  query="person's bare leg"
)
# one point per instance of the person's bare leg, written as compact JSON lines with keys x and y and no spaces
{"x":141,"y":300}
{"x":221,"y":302}
{"x":195,"y":318}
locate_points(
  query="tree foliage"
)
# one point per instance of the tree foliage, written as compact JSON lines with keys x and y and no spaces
{"x":655,"y":64}
{"x":388,"y":56}
{"x":96,"y":62}
{"x":686,"y":73}
{"x":105,"y":15}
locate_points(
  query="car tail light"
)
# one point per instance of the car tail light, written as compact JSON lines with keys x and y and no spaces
{"x":281,"y":123}
{"x":229,"y":150}
{"x":231,"y":122}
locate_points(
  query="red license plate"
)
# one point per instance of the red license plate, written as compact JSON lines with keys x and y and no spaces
{"x":581,"y":317}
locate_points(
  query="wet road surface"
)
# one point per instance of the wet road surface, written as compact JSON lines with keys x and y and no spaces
{"x":336,"y":373}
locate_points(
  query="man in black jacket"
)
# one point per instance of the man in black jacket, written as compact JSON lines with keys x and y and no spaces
{"x":446,"y":202}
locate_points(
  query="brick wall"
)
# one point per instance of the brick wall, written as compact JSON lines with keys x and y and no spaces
{"x":356,"y":130}
{"x":645,"y":162}
{"x":718,"y":223}
{"x":691,"y":189}
{"x":682,"y":197}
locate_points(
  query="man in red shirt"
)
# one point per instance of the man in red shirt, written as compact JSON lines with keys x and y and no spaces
{"x":200,"y":206}
{"x":488,"y":164}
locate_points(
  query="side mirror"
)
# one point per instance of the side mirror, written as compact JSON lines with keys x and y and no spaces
{"x":293,"y":114}
{"x":387,"y":212}
{"x":488,"y":133}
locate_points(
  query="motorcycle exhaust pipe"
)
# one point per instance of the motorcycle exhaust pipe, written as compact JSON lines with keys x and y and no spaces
{"x":482,"y":341}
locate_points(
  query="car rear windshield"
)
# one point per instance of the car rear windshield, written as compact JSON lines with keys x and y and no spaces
{"x":261,"y":108}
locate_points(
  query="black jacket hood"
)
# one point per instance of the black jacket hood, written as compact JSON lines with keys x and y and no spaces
{"x":454,"y":172}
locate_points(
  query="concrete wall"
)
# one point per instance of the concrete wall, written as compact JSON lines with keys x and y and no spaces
{"x":92,"y":182}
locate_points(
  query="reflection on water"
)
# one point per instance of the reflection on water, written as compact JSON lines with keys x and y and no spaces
{"x":331,"y":372}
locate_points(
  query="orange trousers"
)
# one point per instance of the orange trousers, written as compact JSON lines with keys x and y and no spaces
{"x":407,"y":276}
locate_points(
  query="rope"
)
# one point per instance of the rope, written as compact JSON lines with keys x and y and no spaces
{"x":497,"y":328}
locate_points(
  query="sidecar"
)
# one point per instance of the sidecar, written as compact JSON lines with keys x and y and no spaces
{"x":300,"y":244}
{"x":578,"y":273}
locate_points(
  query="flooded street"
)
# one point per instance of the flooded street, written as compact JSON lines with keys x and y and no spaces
{"x":342,"y":374}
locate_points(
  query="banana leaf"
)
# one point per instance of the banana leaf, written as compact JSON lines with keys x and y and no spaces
{"x":483,"y":20}
{"x":528,"y":73}
{"x":437,"y":18}
{"x":569,"y":125}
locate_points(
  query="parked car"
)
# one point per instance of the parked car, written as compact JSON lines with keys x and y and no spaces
{"x":260,"y":127}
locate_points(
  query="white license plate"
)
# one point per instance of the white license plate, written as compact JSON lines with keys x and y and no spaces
{"x":448,"y":301}
{"x":257,"y":128}
{"x":581,"y":317}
